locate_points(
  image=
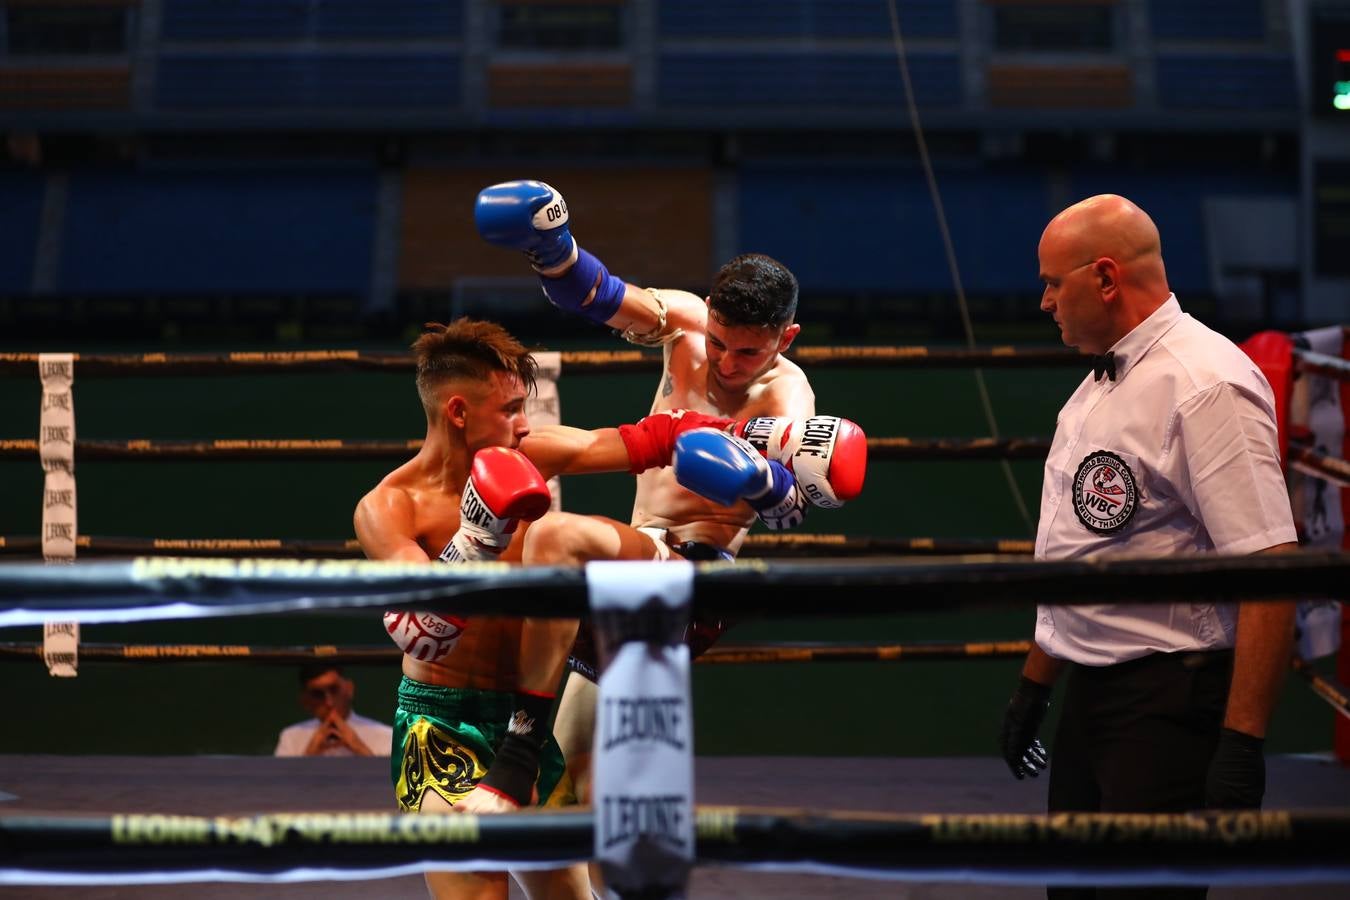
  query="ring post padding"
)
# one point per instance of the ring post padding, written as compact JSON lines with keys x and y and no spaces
{"x":56,"y":451}
{"x":643,"y":784}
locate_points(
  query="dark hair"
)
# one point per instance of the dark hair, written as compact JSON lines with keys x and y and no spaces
{"x":468,"y":348}
{"x":754,"y":289}
{"x":312,"y":670}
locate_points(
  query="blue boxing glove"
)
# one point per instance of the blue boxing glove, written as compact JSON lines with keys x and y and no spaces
{"x":532,"y":217}
{"x":528,"y":216}
{"x":727,"y":469}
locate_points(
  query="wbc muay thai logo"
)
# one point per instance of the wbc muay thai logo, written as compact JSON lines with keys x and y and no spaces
{"x":1105,"y":494}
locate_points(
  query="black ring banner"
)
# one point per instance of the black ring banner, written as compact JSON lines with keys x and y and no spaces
{"x":170,"y":588}
{"x":1250,"y":847}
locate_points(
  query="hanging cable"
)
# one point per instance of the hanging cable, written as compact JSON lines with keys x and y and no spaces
{"x":950,"y":252}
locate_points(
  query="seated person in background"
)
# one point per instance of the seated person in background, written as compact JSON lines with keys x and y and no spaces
{"x":335,"y":730}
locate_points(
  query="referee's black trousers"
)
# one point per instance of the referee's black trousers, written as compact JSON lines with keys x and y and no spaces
{"x":1138,"y":737}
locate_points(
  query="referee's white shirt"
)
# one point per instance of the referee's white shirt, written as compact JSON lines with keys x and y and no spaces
{"x":1178,"y":455}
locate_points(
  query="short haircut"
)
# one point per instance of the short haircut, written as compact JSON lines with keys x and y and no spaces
{"x":754,"y":289}
{"x":310,"y":671}
{"x":470,"y":349}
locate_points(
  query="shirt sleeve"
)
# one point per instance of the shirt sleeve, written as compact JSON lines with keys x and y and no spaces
{"x":292,"y":741}
{"x":1233,"y":482}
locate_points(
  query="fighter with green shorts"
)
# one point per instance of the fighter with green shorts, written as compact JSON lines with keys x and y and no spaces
{"x":444,"y":741}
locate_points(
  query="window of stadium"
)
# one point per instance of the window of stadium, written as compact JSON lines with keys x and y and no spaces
{"x":560,"y":26}
{"x":66,"y":30}
{"x":1054,"y":28}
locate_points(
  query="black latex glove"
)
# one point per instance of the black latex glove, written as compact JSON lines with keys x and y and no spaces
{"x":1237,"y":773}
{"x":1024,"y":754}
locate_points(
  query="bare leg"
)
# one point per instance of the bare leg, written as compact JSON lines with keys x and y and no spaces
{"x":567,"y":539}
{"x":574,"y":730}
{"x":460,"y":885}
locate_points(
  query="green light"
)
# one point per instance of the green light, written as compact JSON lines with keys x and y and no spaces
{"x":1341,"y":96}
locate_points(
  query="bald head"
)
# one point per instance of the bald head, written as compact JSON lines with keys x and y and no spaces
{"x":1101,"y":262}
{"x":1108,"y":225}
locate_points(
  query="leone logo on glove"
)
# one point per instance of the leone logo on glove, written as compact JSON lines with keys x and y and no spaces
{"x":424,"y":635}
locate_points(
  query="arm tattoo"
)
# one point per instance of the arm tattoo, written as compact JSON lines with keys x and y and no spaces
{"x":668,"y":387}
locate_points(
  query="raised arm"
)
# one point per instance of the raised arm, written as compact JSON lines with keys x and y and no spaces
{"x":532,"y":217}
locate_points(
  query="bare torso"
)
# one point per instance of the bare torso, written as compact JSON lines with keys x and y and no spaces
{"x":660,"y":501}
{"x":486,"y":655}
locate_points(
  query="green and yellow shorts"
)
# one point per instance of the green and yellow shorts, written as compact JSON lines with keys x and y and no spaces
{"x":444,"y":739}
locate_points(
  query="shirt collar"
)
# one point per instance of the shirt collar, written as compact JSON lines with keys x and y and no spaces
{"x":1131,"y":348}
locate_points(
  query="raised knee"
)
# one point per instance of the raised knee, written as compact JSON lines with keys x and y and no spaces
{"x":552,"y":540}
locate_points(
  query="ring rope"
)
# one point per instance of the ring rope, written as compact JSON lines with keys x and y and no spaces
{"x":586,"y":361}
{"x":1328,"y":468}
{"x":756,"y":546}
{"x":379,"y":654}
{"x":887,"y":448}
{"x":730,"y":654}
{"x":1307,"y":460}
{"x":1246,"y":846}
{"x":575,"y":361}
{"x":1321,"y":364}
{"x":174,"y":588}
{"x":1335,"y":694}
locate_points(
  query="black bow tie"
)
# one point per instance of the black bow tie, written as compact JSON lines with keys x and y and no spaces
{"x":1104,"y":365}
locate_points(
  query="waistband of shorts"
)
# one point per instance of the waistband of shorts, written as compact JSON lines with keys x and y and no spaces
{"x":698,"y":551}
{"x":1186,"y":659}
{"x":435,"y":700}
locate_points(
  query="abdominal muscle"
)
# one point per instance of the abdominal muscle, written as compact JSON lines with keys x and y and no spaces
{"x":661,"y":502}
{"x":485,"y":658}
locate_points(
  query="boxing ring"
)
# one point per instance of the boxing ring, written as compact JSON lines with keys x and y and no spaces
{"x":272,"y":821}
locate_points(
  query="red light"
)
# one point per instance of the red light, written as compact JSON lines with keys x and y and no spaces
{"x":1343,"y":56}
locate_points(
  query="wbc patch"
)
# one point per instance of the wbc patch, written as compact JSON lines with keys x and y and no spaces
{"x":1105,"y":494}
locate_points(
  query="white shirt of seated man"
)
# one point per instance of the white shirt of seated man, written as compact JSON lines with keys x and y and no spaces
{"x":334,"y":730}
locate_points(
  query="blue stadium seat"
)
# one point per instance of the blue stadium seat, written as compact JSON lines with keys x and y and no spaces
{"x":870,"y":228}
{"x":1226,"y":82}
{"x":1175,"y":200}
{"x":805,"y":80}
{"x":389,"y":18}
{"x":225,"y":20}
{"x":302,"y":80}
{"x":1207,"y":20}
{"x":757,"y":19}
{"x":21,"y":195}
{"x":259,"y":231}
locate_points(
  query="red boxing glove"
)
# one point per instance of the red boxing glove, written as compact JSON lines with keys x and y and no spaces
{"x":503,"y":487}
{"x":775,"y":437}
{"x":651,"y":441}
{"x":830,"y":460}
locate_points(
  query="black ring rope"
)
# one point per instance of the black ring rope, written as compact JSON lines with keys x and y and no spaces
{"x":222,"y":449}
{"x":727,"y":654}
{"x":1327,"y":468}
{"x":1248,"y":846}
{"x":573,"y":361}
{"x":1305,"y":459}
{"x":1321,"y":364}
{"x":28,"y":651}
{"x":585,"y":361}
{"x":161,"y":588}
{"x":756,"y":546}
